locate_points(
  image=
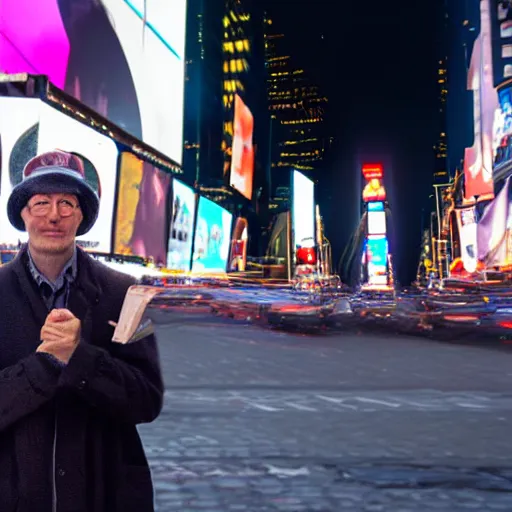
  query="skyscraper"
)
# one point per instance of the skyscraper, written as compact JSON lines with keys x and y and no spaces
{"x":236,"y":50}
{"x":297,"y":107}
{"x":203,"y":90}
{"x":463,"y":26}
{"x":244,"y":77}
{"x":441,"y":171}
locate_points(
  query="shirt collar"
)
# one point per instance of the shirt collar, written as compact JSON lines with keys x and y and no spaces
{"x":68,"y":273}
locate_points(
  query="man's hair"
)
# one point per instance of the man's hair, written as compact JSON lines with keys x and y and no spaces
{"x":55,"y":159}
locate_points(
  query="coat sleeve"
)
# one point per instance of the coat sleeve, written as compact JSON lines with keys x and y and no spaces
{"x":124,"y":381}
{"x":25,"y":387}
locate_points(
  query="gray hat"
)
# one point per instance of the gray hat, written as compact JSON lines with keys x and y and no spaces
{"x":55,"y":172}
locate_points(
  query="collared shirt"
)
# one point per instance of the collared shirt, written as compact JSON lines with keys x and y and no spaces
{"x":55,"y":295}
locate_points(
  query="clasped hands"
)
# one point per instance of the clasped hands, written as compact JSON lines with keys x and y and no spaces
{"x":60,"y":334}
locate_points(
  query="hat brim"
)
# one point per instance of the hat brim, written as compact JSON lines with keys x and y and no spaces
{"x":54,"y":182}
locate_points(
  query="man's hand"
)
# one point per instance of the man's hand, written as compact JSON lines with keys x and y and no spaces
{"x":60,"y":334}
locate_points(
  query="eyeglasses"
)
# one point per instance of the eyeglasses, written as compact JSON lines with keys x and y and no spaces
{"x":43,"y":208}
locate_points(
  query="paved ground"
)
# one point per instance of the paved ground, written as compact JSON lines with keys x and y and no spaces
{"x":258,"y":420}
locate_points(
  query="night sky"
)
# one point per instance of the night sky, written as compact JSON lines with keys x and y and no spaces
{"x":376,"y":62}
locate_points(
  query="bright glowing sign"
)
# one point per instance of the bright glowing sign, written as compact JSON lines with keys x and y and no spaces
{"x":376,"y":206}
{"x":374,"y":189}
{"x":303,"y":210}
{"x":478,"y":159}
{"x":124,"y":59}
{"x":377,"y":260}
{"x":371,"y":171}
{"x":376,"y":223}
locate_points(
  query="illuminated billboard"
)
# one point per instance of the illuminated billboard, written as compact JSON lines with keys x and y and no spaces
{"x":376,"y":223}
{"x":501,"y":16}
{"x":503,"y":127}
{"x":238,"y":257}
{"x":377,"y":260}
{"x":303,"y":210}
{"x":478,"y":159}
{"x":142,"y":212}
{"x":29,"y":127}
{"x":122,"y":58}
{"x":181,"y":231}
{"x":374,"y":190}
{"x":468,"y":235}
{"x":212,"y":237}
{"x":242,"y":159}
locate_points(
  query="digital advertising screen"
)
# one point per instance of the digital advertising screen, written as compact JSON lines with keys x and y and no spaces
{"x":122,"y":58}
{"x":181,"y":232}
{"x":242,"y":159}
{"x":29,"y":127}
{"x":468,"y":234}
{"x":303,"y":210}
{"x":377,"y":259}
{"x":373,"y":191}
{"x":142,"y":210}
{"x":501,"y":17}
{"x":479,"y":158}
{"x":238,"y":257}
{"x":58,"y":131}
{"x":503,"y":127}
{"x":212,"y":239}
{"x":377,"y":206}
{"x":19,"y":133}
{"x":376,"y":223}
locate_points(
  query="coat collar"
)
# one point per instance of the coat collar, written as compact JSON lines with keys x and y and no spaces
{"x":85,"y":290}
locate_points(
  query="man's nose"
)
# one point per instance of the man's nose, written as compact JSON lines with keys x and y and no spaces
{"x":54,"y":213}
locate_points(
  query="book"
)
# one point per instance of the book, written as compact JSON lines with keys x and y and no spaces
{"x":129,"y":327}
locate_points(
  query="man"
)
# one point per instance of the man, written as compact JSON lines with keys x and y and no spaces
{"x":70,"y":398}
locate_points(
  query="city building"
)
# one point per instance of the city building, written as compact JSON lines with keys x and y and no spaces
{"x":297,"y":108}
{"x":442,"y":171}
{"x":463,"y":26}
{"x":236,"y":52}
{"x":203,"y":117}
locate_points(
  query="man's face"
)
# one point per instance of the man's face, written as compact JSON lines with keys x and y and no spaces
{"x":52,"y":221}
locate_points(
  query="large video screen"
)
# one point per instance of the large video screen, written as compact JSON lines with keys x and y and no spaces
{"x":122,"y":58}
{"x":29,"y":127}
{"x":377,"y":257}
{"x":242,"y":159}
{"x":376,"y":223}
{"x":19,"y":129}
{"x":303,"y":210}
{"x":181,"y":232}
{"x":502,"y":139}
{"x":142,"y":212}
{"x":213,"y":237}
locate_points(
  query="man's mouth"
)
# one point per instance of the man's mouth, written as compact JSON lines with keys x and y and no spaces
{"x":53,"y":233}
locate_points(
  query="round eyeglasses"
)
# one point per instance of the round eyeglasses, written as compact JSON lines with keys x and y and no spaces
{"x":43,"y":208}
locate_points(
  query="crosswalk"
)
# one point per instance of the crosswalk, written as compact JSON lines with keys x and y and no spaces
{"x":275,"y":401}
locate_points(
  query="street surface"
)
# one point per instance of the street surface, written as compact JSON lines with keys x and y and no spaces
{"x":259,"y":420}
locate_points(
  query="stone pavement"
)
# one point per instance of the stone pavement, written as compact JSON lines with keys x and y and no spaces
{"x":258,"y":420}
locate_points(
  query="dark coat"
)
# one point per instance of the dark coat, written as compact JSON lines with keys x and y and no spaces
{"x":92,"y":405}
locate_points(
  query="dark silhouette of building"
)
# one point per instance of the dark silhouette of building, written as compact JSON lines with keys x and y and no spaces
{"x":297,"y":106}
{"x":463,"y":27}
{"x":442,"y":171}
{"x":203,"y":115}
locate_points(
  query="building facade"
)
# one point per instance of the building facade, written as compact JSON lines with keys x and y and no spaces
{"x":299,"y":138}
{"x":244,"y":75}
{"x":463,"y":22}
{"x":203,"y":116}
{"x":442,"y":171}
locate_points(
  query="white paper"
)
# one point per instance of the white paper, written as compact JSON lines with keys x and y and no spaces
{"x":135,"y":302}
